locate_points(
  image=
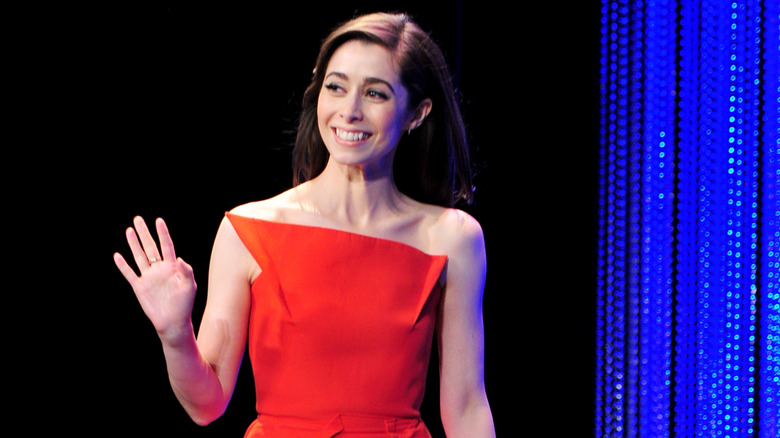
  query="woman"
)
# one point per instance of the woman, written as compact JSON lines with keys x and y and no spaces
{"x":338,"y":284}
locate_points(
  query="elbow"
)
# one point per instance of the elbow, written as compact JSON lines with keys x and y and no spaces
{"x":468,"y":415}
{"x":202,"y":420}
{"x":205,"y":416}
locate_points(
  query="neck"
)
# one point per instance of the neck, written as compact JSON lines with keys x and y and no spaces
{"x":350,"y":194}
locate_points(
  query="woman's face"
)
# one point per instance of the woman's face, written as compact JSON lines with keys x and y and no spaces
{"x":362,"y":107}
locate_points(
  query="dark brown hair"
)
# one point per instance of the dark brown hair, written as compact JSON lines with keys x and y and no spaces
{"x":431,"y":163}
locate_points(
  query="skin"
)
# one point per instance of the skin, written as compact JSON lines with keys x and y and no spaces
{"x":362,"y":96}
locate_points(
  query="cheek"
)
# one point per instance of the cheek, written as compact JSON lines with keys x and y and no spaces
{"x":395,"y":122}
{"x":392,"y":130}
{"x":322,"y":113}
{"x":320,"y":108}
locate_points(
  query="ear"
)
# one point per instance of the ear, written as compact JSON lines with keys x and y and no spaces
{"x":422,"y":111}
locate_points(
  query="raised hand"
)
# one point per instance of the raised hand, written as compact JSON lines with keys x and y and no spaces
{"x":164,"y":285}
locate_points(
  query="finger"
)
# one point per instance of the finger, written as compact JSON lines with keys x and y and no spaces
{"x":125,"y":269}
{"x":166,"y":243}
{"x":139,"y":255}
{"x":150,"y":246}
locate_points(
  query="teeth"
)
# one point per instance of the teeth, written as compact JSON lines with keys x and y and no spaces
{"x":350,"y":135}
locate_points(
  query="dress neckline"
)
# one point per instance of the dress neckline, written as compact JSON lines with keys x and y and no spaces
{"x":338,"y":231}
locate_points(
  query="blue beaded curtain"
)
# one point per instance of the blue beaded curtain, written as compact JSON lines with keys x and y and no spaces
{"x":688,"y":324}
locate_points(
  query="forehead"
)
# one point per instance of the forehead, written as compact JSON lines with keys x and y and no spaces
{"x":359,"y":60}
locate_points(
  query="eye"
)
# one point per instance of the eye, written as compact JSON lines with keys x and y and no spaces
{"x":377,"y":94}
{"x":334,"y":88}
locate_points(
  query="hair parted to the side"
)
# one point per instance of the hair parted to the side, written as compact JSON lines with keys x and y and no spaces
{"x":432,"y":163}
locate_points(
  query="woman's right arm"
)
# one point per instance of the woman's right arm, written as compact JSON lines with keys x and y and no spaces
{"x":202,"y":371}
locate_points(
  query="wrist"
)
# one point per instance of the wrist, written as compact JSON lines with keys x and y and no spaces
{"x":179,"y":336}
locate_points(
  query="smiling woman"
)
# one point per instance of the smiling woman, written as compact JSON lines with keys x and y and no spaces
{"x":339,"y":285}
{"x":363,"y":109}
{"x":431,"y":163}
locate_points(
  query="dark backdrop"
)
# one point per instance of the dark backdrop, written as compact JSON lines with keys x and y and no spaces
{"x":185,"y":110}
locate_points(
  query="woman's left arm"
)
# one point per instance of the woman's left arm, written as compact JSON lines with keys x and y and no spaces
{"x":465,"y":409}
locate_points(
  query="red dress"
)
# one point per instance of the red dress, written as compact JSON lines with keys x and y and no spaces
{"x":340,"y":331}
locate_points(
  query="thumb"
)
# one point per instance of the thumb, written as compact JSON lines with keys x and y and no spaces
{"x":186,"y":270}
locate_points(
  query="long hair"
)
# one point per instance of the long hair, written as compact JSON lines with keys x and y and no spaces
{"x":431,"y":163}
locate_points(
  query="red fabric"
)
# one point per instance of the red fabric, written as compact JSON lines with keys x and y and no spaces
{"x":340,"y":324}
{"x":340,"y":426}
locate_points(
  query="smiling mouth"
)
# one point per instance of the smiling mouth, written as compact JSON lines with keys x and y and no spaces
{"x":351,"y":135}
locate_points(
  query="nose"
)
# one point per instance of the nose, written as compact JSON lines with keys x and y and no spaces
{"x":352,"y":109}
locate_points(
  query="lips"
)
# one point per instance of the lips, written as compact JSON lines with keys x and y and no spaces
{"x":351,"y":136}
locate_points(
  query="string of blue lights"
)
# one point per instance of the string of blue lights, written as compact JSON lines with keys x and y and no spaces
{"x":688,"y":297}
{"x":769,"y":266}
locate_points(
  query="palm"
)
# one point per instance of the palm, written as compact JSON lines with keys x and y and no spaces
{"x":165,"y":287}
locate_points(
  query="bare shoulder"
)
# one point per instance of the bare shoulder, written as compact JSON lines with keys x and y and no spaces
{"x":230,"y":254}
{"x":456,"y":232}
{"x":271,"y":209}
{"x":459,"y":235}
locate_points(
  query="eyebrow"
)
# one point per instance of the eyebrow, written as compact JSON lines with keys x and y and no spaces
{"x":369,"y":80}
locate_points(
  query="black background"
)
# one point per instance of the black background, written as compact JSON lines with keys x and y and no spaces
{"x":184,"y":110}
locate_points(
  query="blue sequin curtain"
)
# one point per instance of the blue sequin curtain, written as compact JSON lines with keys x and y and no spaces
{"x":688,"y":324}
